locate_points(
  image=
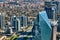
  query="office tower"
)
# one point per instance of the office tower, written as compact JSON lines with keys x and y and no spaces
{"x":52,"y":9}
{"x":58,"y":28}
{"x":49,"y":12}
{"x":1,"y":21}
{"x":19,"y":28}
{"x":42,"y":27}
{"x":12,"y":19}
{"x":15,"y":23}
{"x":7,"y":29}
{"x":23,"y":21}
{"x":56,"y":5}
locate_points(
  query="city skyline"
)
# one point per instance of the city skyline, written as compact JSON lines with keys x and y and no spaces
{"x":29,"y":19}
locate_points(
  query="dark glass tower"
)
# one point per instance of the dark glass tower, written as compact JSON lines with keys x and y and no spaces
{"x":49,"y":12}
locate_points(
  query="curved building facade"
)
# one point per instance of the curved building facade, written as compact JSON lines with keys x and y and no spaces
{"x":43,"y":30}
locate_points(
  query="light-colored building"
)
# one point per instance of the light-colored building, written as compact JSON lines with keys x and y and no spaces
{"x":2,"y":20}
{"x":15,"y":22}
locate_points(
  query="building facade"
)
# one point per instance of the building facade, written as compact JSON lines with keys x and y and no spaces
{"x":15,"y":23}
{"x":1,"y":21}
{"x":42,"y":27}
{"x":23,"y":21}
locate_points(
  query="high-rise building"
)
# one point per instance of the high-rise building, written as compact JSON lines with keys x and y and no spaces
{"x":19,"y":28}
{"x":52,"y":9}
{"x":49,"y":12}
{"x":58,"y":28}
{"x":15,"y":23}
{"x":7,"y":29}
{"x":1,"y":21}
{"x":42,"y":27}
{"x":12,"y":19}
{"x":23,"y":21}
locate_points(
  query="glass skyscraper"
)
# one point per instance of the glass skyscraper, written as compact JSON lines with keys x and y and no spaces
{"x":23,"y":21}
{"x":7,"y":29}
{"x":49,"y":12}
{"x":14,"y":23}
{"x":42,"y":28}
{"x":1,"y":21}
{"x":52,"y":7}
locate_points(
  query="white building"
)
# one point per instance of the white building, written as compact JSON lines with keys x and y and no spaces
{"x":2,"y":20}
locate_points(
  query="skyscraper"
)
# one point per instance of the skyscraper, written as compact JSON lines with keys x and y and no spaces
{"x":58,"y":28}
{"x":19,"y":28}
{"x":49,"y":12}
{"x":52,"y":9}
{"x":23,"y":21}
{"x":15,"y":23}
{"x":42,"y":27}
{"x":1,"y":21}
{"x":7,"y":29}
